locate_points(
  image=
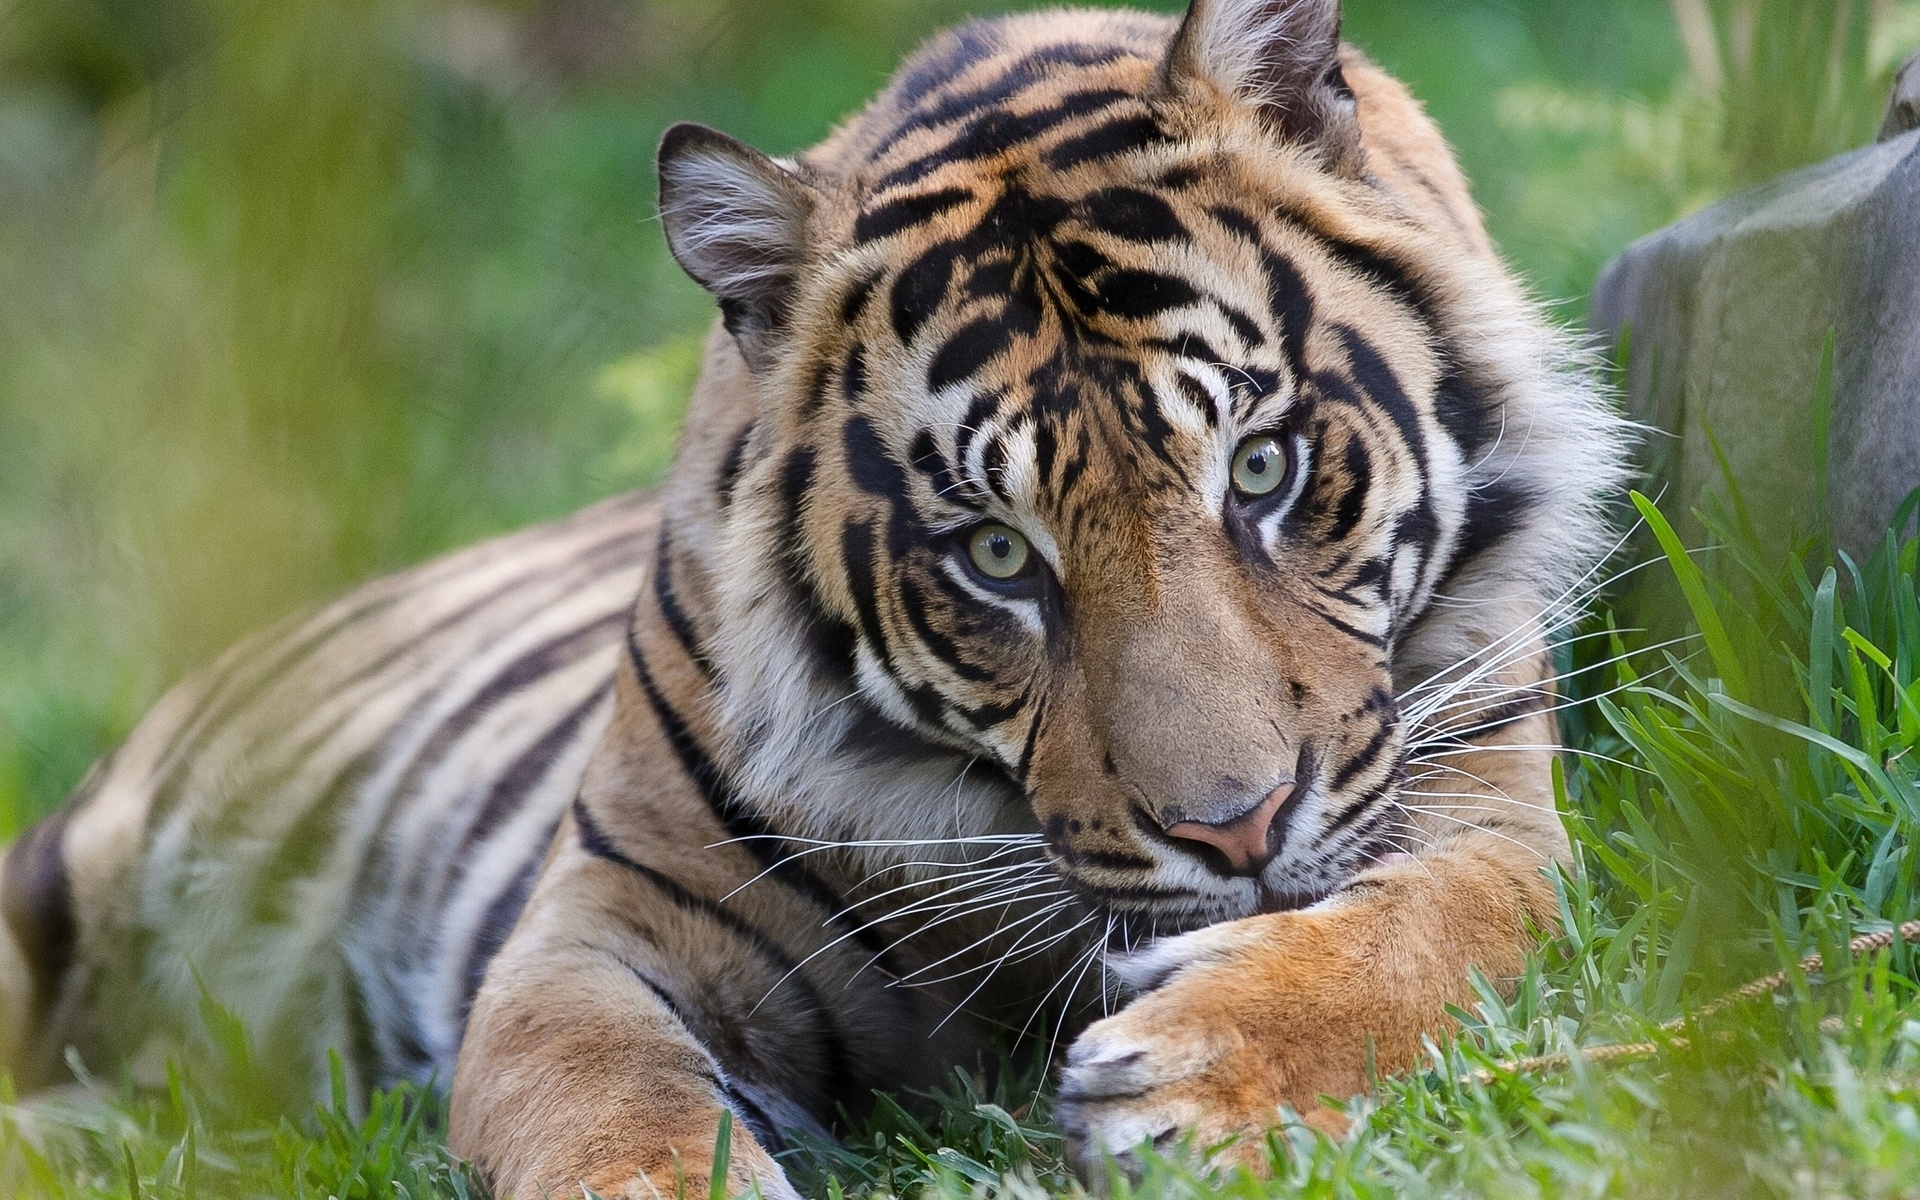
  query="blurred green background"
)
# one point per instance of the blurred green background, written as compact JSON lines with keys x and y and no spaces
{"x":296,"y":291}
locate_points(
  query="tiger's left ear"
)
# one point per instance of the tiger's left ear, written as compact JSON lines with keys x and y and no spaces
{"x":1280,"y":56}
{"x":736,"y":221}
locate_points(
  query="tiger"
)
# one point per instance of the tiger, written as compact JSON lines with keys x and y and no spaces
{"x":1107,"y":583}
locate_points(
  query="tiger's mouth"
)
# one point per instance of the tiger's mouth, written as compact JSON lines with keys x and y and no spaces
{"x":1272,"y":899}
{"x":1181,"y":910}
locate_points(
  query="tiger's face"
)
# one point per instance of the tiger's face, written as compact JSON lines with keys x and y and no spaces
{"x":1103,"y":437}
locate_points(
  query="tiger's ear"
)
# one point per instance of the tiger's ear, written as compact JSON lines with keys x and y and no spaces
{"x":736,"y":222}
{"x":1280,"y":56}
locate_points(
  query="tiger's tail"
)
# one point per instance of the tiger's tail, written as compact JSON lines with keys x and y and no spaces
{"x":37,"y":940}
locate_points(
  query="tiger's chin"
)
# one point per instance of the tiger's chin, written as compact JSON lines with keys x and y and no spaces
{"x":1283,"y":899}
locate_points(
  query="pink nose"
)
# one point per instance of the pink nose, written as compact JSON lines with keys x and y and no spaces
{"x":1243,"y":839}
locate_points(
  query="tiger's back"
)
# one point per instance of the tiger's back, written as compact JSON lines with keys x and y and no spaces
{"x":333,"y":827}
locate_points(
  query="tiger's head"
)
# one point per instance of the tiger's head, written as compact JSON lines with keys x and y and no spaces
{"x":1116,"y":397}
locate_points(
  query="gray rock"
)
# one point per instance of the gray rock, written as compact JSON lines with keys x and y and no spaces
{"x":1729,"y":310}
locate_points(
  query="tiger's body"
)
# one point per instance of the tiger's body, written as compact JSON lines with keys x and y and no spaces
{"x":1124,"y":508}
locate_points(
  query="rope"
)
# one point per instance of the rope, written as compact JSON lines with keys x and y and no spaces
{"x":1866,"y":943}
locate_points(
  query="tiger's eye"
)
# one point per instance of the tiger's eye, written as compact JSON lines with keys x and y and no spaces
{"x":1259,"y":466}
{"x":999,"y":552}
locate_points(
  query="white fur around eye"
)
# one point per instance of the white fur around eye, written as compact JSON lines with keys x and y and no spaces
{"x":1274,"y":521}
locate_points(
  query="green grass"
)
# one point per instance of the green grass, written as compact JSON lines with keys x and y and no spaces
{"x":1736,"y":801}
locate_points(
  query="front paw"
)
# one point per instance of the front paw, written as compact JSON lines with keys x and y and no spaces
{"x":1237,"y":1020}
{"x":1238,"y":1023}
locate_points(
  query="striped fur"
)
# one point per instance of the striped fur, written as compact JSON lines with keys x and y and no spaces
{"x":829,"y":805}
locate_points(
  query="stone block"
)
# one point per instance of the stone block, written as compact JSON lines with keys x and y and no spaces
{"x":1729,"y":310}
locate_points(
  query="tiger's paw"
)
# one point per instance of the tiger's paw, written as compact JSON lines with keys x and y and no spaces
{"x":1231,"y":1026}
{"x":1233,"y":1021}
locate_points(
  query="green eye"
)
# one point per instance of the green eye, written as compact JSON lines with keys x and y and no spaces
{"x":999,"y":552}
{"x":1259,"y":466}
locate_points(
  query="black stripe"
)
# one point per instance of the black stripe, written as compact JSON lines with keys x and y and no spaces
{"x":1114,"y":860}
{"x":853,"y":377}
{"x":555,"y":654}
{"x":1291,"y":303}
{"x":208,"y":716}
{"x":678,"y":623}
{"x":36,"y":900}
{"x":1351,"y":811}
{"x":1470,"y":418}
{"x":771,"y":1137}
{"x":498,"y":922}
{"x":1018,"y":75}
{"x":856,"y":548}
{"x":756,"y":1119}
{"x":913,"y":602}
{"x":591,"y":562}
{"x":1033,"y":736}
{"x":854,"y":304}
{"x":509,"y":792}
{"x":986,"y":716}
{"x":1244,"y":326}
{"x":1353,"y":502}
{"x":1132,"y":214}
{"x":595,"y":842}
{"x":1366,"y":757}
{"x":1137,"y":295}
{"x":1377,"y":381}
{"x":739,"y":818}
{"x":926,"y":458}
{"x":908,"y":212}
{"x":1494,"y":510}
{"x":730,"y":467}
{"x":999,"y":131}
{"x":666,"y":1001}
{"x":278,"y":884}
{"x":1124,"y":895}
{"x":1107,"y":141}
{"x":1379,"y":271}
{"x":1357,"y":634}
{"x":919,"y":288}
{"x":1199,"y":397}
{"x":947,"y":56}
{"x":972,"y":347}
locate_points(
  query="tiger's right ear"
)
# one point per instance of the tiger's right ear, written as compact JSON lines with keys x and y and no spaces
{"x":736,"y":222}
{"x":1282,"y":57}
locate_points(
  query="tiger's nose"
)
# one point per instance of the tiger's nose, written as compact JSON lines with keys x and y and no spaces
{"x":1242,"y":840}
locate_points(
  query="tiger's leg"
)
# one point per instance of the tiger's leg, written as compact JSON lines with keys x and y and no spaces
{"x":1232,"y":1021}
{"x":612,"y":1033}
